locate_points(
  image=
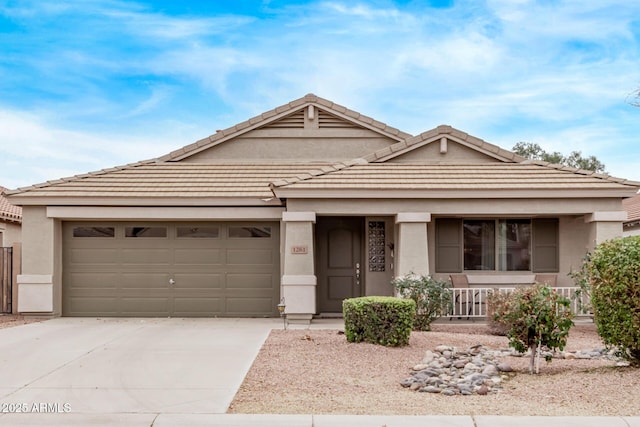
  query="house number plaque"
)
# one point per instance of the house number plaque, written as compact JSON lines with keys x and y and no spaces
{"x":299,"y":249}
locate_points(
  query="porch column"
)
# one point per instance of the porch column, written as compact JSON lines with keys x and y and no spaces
{"x":412,"y":251}
{"x":298,"y":282}
{"x":39,"y":284}
{"x":604,"y":225}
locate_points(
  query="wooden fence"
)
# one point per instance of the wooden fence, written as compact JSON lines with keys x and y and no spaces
{"x":6,"y":279}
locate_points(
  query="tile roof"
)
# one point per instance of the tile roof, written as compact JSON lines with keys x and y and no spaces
{"x":632,"y":206}
{"x":277,"y":113}
{"x":9,"y":212}
{"x":176,"y":180}
{"x":471,"y":176}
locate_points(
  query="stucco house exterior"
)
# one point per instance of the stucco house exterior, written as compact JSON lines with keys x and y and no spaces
{"x":10,"y":221}
{"x":631,"y":226}
{"x":307,"y":204}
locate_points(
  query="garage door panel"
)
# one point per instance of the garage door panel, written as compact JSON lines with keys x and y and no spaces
{"x":189,"y":307}
{"x":93,"y":306}
{"x":250,"y":256}
{"x":250,"y":281}
{"x":93,"y":281}
{"x":247,"y":306}
{"x":145,"y":306}
{"x":147,"y":281}
{"x":189,"y":257}
{"x":198,"y":281}
{"x":219,"y":273}
{"x":146,"y":256}
{"x":90,"y":257}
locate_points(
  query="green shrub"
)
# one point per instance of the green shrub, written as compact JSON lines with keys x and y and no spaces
{"x":433,"y":297}
{"x":614,"y":277}
{"x":378,"y":320}
{"x":537,"y":317}
{"x":498,"y":304}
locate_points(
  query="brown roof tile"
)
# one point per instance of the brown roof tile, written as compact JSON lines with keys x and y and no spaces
{"x":422,"y":176}
{"x":632,"y":206}
{"x":8,"y":211}
{"x":181,"y":180}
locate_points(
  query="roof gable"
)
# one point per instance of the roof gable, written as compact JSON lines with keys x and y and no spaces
{"x":446,"y":138}
{"x":307,"y":113}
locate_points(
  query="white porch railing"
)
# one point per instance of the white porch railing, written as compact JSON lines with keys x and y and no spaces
{"x":472,"y":302}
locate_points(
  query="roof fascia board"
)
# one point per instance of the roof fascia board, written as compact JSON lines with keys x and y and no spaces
{"x":284,"y":192}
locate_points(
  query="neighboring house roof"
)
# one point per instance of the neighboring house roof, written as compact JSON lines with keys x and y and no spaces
{"x":9,"y":212}
{"x":278,"y":113}
{"x":632,"y":206}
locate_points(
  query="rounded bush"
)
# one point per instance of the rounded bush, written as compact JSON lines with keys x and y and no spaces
{"x":378,"y":320}
{"x":614,"y":277}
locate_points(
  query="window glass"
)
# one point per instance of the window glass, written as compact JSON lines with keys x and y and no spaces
{"x":94,"y":232}
{"x":198,"y":232}
{"x":145,"y":232}
{"x":249,"y":231}
{"x":479,"y":244}
{"x":514,"y":245}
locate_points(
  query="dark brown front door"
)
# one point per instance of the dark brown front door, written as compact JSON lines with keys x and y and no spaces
{"x":339,"y":261}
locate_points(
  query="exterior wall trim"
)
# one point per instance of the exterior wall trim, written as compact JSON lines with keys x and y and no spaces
{"x":413,"y":217}
{"x":299,"y":217}
{"x":606,"y":216}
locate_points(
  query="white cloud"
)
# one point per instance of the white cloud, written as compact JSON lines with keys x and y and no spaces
{"x":35,"y":151}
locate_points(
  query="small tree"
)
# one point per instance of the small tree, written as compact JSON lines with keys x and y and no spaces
{"x":537,"y":317}
{"x":614,"y":277}
{"x":433,"y":297}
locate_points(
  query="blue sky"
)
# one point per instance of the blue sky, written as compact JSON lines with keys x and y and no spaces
{"x":88,"y":84}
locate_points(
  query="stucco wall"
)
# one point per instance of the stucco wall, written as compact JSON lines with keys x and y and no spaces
{"x":10,"y":233}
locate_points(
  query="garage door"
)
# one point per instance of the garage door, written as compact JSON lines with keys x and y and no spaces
{"x":170,"y":269}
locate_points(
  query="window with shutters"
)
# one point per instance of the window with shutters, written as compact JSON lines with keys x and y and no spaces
{"x":497,"y":245}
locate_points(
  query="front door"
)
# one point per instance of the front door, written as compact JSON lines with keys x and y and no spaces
{"x":339,"y":261}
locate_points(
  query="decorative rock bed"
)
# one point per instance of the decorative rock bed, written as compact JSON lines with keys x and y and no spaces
{"x":449,"y":371}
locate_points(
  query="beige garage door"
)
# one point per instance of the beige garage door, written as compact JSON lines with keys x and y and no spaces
{"x":170,"y":269}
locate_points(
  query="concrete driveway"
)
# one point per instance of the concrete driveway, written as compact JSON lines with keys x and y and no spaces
{"x":127,"y":366}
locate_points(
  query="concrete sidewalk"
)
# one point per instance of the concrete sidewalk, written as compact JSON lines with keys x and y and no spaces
{"x":237,"y":420}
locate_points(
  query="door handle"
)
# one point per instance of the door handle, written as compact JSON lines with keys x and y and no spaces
{"x":357,"y":273}
{"x":172,"y":282}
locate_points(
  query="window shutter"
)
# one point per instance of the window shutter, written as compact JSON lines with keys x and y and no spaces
{"x":448,"y":245}
{"x":545,"y":247}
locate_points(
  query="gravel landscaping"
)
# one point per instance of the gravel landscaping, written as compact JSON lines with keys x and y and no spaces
{"x":10,"y":320}
{"x":318,"y":371}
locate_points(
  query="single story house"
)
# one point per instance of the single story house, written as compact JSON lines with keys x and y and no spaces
{"x":10,"y":221}
{"x":631,"y":226}
{"x":307,"y":204}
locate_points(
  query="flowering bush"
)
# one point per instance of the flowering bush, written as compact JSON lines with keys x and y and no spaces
{"x":432,"y":297}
